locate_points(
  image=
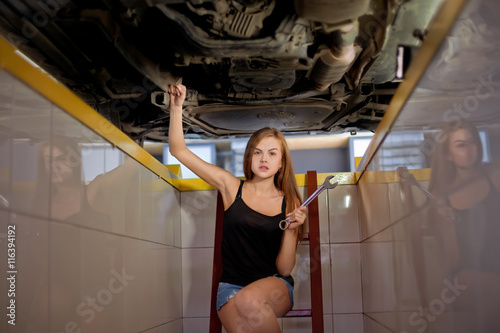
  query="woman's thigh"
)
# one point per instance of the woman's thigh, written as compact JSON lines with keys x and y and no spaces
{"x":271,"y":291}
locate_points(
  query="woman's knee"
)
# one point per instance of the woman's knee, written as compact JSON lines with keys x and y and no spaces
{"x":246,"y":301}
{"x":255,"y":311}
{"x":249,"y":302}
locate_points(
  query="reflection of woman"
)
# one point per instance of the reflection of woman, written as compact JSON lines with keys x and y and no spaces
{"x":71,"y":200}
{"x":78,"y":271}
{"x":468,"y":214}
{"x":60,"y":168}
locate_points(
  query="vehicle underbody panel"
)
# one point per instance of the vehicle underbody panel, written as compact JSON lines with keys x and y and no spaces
{"x":303,"y":66}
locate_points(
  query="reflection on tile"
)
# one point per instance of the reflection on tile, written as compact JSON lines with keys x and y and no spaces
{"x":343,"y":214}
{"x":428,"y":272}
{"x":157,"y":267}
{"x":169,"y":213}
{"x":66,"y":279}
{"x":26,"y":281}
{"x":372,"y":326}
{"x":297,"y":325}
{"x":405,"y":200}
{"x":101,"y":255}
{"x":171,"y":327}
{"x":328,"y":323}
{"x":195,"y":325}
{"x":6,"y":128}
{"x":31,"y":116}
{"x":301,"y":274}
{"x":352,"y":323}
{"x":98,"y":281}
{"x":30,"y":120}
{"x":197,"y":266}
{"x":326,"y":278}
{"x":29,"y":187}
{"x":346,"y":278}
{"x":7,"y":82}
{"x":93,"y":226}
{"x":146,"y":203}
{"x":162,"y":222}
{"x":5,"y":170}
{"x":198,"y":209}
{"x":378,"y":277}
{"x":374,"y":213}
{"x":159,"y":302}
{"x":324,"y":226}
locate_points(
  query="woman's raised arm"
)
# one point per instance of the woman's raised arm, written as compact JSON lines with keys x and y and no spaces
{"x":213,"y":175}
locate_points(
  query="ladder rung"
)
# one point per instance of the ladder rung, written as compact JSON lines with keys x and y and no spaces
{"x":299,"y":313}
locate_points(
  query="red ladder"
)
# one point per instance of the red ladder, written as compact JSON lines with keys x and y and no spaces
{"x":316,"y":311}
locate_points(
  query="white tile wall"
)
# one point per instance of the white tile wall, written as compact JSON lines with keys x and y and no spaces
{"x":198,"y":210}
{"x":343,"y":214}
{"x":197,"y":266}
{"x":174,"y":326}
{"x":346,"y":278}
{"x":372,"y":326}
{"x":348,"y":323}
{"x":374,"y":212}
{"x":32,"y":278}
{"x":111,"y":263}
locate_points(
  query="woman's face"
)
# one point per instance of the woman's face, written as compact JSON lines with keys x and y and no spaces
{"x":266,"y":158}
{"x":57,"y":165}
{"x":463,"y":149}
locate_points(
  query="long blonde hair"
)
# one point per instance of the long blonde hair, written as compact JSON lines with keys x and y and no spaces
{"x":284,"y":179}
{"x":443,"y":171}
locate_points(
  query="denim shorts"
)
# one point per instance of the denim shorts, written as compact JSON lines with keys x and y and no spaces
{"x":226,"y":291}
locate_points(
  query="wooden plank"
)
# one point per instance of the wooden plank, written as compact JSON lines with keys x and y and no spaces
{"x":315,"y":256}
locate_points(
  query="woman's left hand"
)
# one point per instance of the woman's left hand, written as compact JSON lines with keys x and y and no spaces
{"x":297,"y":217}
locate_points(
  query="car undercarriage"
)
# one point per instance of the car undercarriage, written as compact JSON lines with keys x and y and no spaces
{"x":301,"y":66}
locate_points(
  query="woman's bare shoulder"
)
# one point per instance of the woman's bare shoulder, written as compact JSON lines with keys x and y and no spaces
{"x":229,"y":190}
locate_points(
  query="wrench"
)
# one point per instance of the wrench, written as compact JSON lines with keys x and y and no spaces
{"x":327,"y":184}
{"x":408,"y":178}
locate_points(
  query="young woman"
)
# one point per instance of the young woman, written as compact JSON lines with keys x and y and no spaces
{"x":467,"y":220}
{"x":257,"y":256}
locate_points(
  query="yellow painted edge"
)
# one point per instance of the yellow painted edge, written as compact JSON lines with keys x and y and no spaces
{"x":421,"y":174}
{"x":384,"y":177}
{"x":344,"y":178}
{"x":176,"y":169}
{"x":438,"y":30}
{"x":73,"y":105}
{"x":196,"y":184}
{"x":357,"y":160}
{"x":301,"y":180}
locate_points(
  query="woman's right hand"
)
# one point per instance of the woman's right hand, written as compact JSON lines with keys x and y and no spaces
{"x":177,"y":94}
{"x":445,"y":211}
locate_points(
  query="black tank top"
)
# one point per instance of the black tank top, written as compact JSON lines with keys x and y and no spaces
{"x":478,"y":229}
{"x":250,"y":243}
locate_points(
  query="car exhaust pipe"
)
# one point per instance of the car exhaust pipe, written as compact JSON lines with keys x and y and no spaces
{"x":332,"y":65}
